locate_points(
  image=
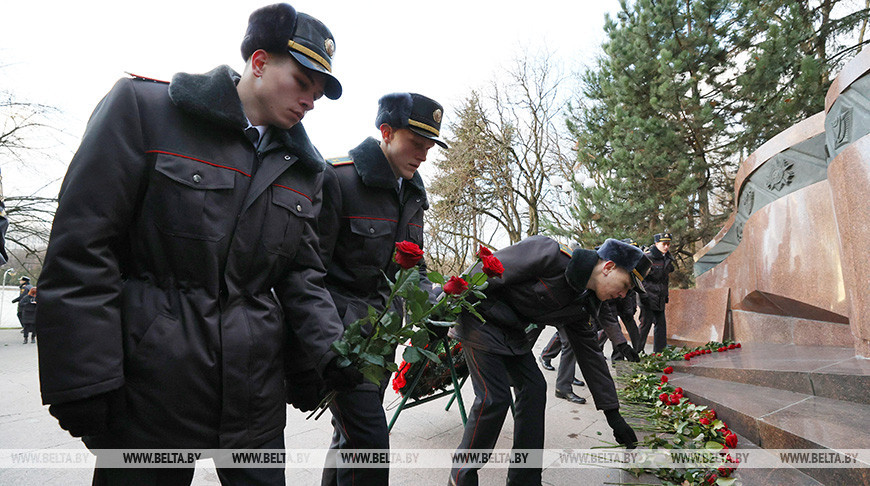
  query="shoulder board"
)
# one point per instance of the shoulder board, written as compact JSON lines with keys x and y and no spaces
{"x":565,"y":249}
{"x":146,"y":78}
{"x":336,"y":161}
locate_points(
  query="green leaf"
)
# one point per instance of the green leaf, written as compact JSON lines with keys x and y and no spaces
{"x":712,"y":445}
{"x":392,"y":367}
{"x":411,"y":355}
{"x":420,"y":338}
{"x":341,"y":347}
{"x":375,"y":359}
{"x":432,"y":356}
{"x":437,"y":278}
{"x":725,"y":481}
{"x":477,"y":279}
{"x":373,"y":373}
{"x":480,"y":295}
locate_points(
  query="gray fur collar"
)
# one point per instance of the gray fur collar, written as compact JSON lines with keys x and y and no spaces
{"x":213,"y":97}
{"x":373,"y":168}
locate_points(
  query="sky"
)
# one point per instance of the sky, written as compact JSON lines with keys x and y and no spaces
{"x":69,"y":54}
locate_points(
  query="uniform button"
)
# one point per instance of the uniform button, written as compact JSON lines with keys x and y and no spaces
{"x":286,"y":157}
{"x":197,"y":178}
{"x":299,"y":207}
{"x":371,"y":230}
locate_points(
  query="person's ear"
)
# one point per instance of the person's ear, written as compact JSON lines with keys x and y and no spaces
{"x":259,"y":59}
{"x":386,"y":132}
{"x":609,"y":265}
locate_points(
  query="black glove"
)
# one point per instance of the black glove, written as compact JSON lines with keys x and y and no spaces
{"x":623,"y":432}
{"x":305,"y":390}
{"x":628,"y":352}
{"x":88,"y":416}
{"x":341,"y":378}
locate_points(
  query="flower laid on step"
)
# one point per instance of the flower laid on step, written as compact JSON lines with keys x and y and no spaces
{"x":676,"y":422}
{"x":709,"y":348}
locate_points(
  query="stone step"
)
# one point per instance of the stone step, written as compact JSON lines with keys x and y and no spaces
{"x":780,"y":419}
{"x":822,"y":371}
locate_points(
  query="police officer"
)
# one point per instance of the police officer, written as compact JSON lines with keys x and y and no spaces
{"x":613,"y":311}
{"x":23,"y":289}
{"x":547,"y":284}
{"x":652,"y":304}
{"x":183,"y":248}
{"x":373,"y":198}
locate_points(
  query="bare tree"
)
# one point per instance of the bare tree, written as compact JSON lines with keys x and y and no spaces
{"x":27,"y":137}
{"x":505,"y":173}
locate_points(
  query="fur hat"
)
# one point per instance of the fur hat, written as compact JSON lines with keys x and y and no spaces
{"x":413,"y":111}
{"x":628,"y":257}
{"x":279,"y":28}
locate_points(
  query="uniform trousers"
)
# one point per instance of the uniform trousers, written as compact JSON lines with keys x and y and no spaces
{"x":183,"y":476}
{"x":492,"y":376}
{"x":648,"y":317}
{"x":567,"y":363}
{"x":359,"y":422}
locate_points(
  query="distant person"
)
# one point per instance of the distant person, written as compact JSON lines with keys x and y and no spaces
{"x":28,"y":315}
{"x":23,"y":289}
{"x":565,"y":379}
{"x":4,"y":225}
{"x":652,"y":304}
{"x":182,"y":253}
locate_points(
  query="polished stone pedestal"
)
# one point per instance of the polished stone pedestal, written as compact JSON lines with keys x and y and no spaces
{"x":787,"y":397}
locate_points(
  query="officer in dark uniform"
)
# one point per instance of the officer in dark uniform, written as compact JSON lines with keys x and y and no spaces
{"x":652,"y":304}
{"x":547,"y":284}
{"x":623,"y":309}
{"x":373,"y":198}
{"x":23,"y":288}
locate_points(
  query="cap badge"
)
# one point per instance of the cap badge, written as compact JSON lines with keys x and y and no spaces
{"x":329,"y":44}
{"x":436,"y":115}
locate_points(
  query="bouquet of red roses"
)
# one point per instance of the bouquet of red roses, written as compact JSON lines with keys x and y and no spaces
{"x":369,"y":352}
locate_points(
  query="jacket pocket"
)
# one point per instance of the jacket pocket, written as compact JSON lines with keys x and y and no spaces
{"x":187,"y":197}
{"x":288,"y":214}
{"x":371,"y":242}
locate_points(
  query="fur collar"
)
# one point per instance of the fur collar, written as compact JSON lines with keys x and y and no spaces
{"x":373,"y":168}
{"x":213,"y":97}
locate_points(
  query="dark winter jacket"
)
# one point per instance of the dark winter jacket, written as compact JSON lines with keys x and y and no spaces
{"x":23,"y":290}
{"x":361,"y":220}
{"x":534,"y":289}
{"x":163,"y":259}
{"x":656,"y":281}
{"x":28,"y":311}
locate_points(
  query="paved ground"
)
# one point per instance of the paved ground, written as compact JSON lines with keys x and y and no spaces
{"x":26,"y":425}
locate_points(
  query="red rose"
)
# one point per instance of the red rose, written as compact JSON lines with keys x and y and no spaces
{"x":407,"y":254}
{"x":492,"y":267}
{"x":738,"y":345}
{"x":687,"y":357}
{"x":664,"y":379}
{"x":704,"y":421}
{"x":679,"y":391}
{"x":711,"y":479}
{"x":455,"y":286}
{"x":711,"y":414}
{"x":731,"y":440}
{"x":668,"y":370}
{"x":483,"y":252}
{"x":731,"y":346}
{"x":664,"y":398}
{"x":674,"y":399}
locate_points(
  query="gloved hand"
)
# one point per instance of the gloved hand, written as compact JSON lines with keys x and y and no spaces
{"x":627,"y":351}
{"x":88,"y":416}
{"x":341,"y":378}
{"x":623,"y":432}
{"x":305,"y":391}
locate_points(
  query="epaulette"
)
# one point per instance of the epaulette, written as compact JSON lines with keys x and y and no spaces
{"x":146,"y":78}
{"x":565,"y":249}
{"x":336,"y":161}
